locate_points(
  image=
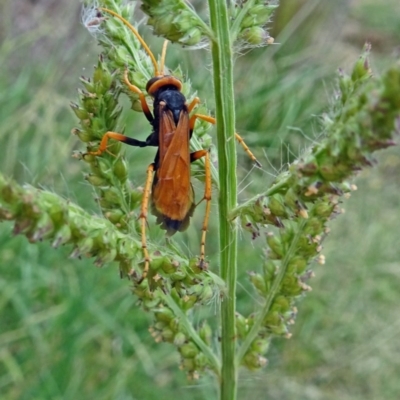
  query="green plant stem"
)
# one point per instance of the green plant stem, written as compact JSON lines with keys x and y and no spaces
{"x":221,"y":52}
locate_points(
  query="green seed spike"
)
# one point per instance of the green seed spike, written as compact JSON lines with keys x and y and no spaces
{"x":189,"y":350}
{"x":62,"y":236}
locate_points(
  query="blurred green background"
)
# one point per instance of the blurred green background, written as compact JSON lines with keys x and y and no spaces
{"x":71,"y":331}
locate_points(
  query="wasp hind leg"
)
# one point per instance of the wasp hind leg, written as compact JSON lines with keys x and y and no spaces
{"x":143,"y":220}
{"x":207,"y":197}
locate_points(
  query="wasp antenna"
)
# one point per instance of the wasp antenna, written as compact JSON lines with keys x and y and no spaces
{"x":163,"y":55}
{"x":136,"y":33}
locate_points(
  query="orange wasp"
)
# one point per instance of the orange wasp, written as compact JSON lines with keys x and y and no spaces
{"x":168,"y":177}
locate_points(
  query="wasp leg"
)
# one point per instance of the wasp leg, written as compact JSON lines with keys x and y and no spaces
{"x":213,"y":121}
{"x":143,"y":219}
{"x":119,"y":136}
{"x":193,"y":104}
{"x":142,"y":98}
{"x":116,"y":136}
{"x":207,"y":197}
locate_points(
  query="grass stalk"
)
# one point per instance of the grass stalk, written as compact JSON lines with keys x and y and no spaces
{"x":225,"y":112}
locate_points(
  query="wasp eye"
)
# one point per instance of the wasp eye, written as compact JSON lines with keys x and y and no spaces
{"x":151,"y":82}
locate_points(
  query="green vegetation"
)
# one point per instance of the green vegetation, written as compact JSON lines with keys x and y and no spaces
{"x":69,"y":330}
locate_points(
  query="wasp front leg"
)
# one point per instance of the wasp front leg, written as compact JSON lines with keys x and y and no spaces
{"x":142,"y":98}
{"x":119,"y":136}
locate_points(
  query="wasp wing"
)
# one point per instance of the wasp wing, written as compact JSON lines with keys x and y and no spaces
{"x":172,"y":194}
